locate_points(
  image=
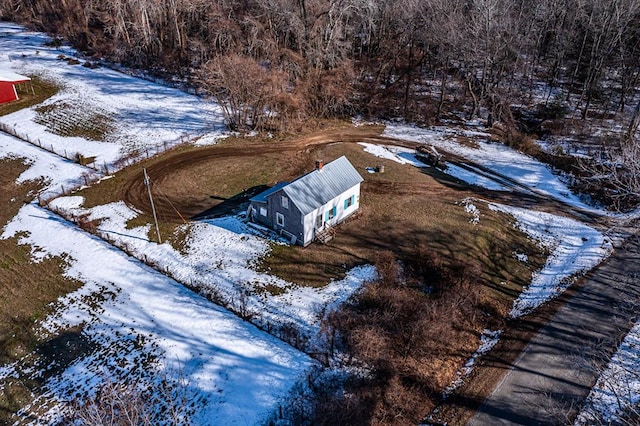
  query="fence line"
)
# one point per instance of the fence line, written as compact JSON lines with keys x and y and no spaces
{"x":77,"y":157}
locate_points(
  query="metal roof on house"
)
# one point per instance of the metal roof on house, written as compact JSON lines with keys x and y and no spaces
{"x":12,"y":77}
{"x":262,"y":197}
{"x":318,"y":187}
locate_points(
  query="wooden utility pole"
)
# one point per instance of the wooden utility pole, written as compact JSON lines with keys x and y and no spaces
{"x":147,"y":183}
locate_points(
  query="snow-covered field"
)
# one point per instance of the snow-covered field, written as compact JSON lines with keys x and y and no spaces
{"x":143,"y":326}
{"x":143,"y":117}
{"x":234,"y":373}
{"x":218,"y":260}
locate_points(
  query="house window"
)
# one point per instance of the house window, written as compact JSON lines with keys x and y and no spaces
{"x":280,"y":219}
{"x":331,"y":214}
{"x":285,"y":202}
{"x":349,"y":202}
{"x":263,"y":211}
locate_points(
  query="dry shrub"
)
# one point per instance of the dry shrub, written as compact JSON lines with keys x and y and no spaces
{"x":86,"y":224}
{"x":523,"y":143}
{"x":388,"y":268}
{"x":407,"y":336}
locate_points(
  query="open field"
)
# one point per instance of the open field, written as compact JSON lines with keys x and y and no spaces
{"x":405,"y":210}
{"x":402,"y":209}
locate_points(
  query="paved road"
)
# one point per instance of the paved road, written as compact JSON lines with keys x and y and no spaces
{"x":546,"y":383}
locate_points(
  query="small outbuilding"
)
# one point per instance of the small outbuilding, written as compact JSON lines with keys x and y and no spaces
{"x":8,"y":82}
{"x":307,"y":207}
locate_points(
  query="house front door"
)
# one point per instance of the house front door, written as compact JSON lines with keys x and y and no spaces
{"x":319,"y":222}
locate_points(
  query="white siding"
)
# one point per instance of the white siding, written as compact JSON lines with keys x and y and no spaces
{"x":341,"y":213}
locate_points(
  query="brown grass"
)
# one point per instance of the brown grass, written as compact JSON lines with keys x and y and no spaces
{"x":411,"y":336}
{"x":28,"y":288}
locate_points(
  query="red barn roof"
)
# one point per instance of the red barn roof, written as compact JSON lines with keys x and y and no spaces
{"x":8,"y":80}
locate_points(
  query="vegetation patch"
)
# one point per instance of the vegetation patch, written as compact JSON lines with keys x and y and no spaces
{"x":75,"y":120}
{"x":410,"y":328}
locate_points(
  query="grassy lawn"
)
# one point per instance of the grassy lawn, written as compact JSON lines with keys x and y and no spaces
{"x":402,"y":209}
{"x":28,"y":289}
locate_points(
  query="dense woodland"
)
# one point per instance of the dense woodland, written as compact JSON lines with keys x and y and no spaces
{"x":279,"y":62}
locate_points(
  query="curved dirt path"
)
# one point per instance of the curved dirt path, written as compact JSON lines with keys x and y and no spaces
{"x":135,"y":192}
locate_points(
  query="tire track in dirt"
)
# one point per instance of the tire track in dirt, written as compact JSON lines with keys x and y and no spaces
{"x":135,"y":192}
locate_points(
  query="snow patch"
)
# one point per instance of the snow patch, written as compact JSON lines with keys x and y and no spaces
{"x":618,"y":387}
{"x":574,"y":248}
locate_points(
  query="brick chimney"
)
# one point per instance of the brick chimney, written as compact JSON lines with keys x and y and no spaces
{"x":319,"y":165}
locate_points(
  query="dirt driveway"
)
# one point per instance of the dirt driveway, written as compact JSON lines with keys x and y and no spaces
{"x":135,"y":192}
{"x":551,"y":366}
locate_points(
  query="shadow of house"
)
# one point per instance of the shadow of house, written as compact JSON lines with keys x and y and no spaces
{"x":305,"y":209}
{"x":230,"y":206}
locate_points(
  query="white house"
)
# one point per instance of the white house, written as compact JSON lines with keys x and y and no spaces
{"x":307,"y":206}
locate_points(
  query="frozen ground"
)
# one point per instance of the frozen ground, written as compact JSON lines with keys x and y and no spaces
{"x":235,"y":372}
{"x":56,"y":171}
{"x":143,"y":117}
{"x":496,"y":157}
